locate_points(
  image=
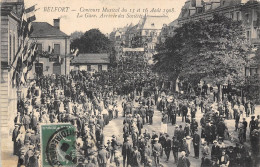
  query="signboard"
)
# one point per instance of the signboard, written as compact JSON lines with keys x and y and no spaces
{"x":58,"y":145}
{"x":54,"y":58}
{"x":133,"y":49}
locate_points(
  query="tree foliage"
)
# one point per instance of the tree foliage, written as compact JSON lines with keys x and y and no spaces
{"x":215,"y":49}
{"x":75,"y":35}
{"x":137,"y":42}
{"x":93,"y":41}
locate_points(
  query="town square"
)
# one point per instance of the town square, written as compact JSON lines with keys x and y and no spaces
{"x":130,"y":83}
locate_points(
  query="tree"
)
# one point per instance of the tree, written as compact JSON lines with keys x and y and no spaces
{"x":252,"y":82}
{"x":75,"y":35}
{"x":215,"y":49}
{"x":136,"y":42}
{"x":93,"y":41}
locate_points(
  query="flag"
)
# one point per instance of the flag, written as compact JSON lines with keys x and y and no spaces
{"x":76,"y":53}
{"x":31,"y":51}
{"x":50,"y":50}
{"x":30,"y":15}
{"x":22,"y":79}
{"x":25,"y":53}
{"x":19,"y":52}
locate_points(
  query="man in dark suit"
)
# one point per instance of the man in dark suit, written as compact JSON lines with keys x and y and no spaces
{"x":184,"y":110}
{"x":168,"y":145}
{"x":126,"y":152}
{"x":196,"y":144}
{"x":175,"y":148}
{"x":183,"y":160}
{"x":181,"y":134}
{"x":215,"y":150}
{"x":103,"y":156}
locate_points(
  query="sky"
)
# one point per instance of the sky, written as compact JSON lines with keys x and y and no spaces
{"x":82,"y":15}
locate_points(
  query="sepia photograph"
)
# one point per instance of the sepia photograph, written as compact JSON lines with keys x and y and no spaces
{"x":130,"y":83}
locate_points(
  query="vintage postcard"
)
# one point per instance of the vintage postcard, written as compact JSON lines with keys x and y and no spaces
{"x":120,"y":83}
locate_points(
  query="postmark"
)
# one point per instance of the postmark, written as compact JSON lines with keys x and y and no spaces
{"x":58,"y":145}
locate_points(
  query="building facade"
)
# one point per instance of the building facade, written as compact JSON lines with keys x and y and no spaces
{"x":246,"y":11}
{"x":91,"y":62}
{"x":11,"y":13}
{"x":53,"y":48}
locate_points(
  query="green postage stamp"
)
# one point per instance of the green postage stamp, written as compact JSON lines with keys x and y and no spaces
{"x":58,"y":143}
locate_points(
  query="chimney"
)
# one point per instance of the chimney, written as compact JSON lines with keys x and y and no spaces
{"x":56,"y":23}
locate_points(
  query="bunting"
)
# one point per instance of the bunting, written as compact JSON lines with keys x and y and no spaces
{"x":75,"y":52}
{"x":26,"y":53}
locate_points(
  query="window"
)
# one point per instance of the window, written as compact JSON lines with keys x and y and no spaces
{"x":89,"y":67}
{"x":248,"y":35}
{"x":10,"y":49}
{"x":56,"y":48}
{"x":250,"y":71}
{"x":247,"y":18}
{"x":39,"y":69}
{"x":238,"y":16}
{"x":232,"y":16}
{"x":13,"y":48}
{"x":258,"y":34}
{"x":99,"y":68}
{"x":39,"y":47}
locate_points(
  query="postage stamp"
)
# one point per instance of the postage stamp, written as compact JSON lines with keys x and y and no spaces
{"x":58,"y":145}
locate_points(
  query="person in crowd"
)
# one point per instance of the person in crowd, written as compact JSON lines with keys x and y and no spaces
{"x":224,"y":159}
{"x":157,"y":148}
{"x":196,"y":144}
{"x":89,"y":102}
{"x":183,"y":160}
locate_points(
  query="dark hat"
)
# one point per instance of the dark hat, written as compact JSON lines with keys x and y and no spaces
{"x":230,"y":147}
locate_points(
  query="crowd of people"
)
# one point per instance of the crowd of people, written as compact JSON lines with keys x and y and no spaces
{"x":90,"y":102}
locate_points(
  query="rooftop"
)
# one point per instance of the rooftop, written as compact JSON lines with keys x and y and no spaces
{"x":155,"y":22}
{"x":44,"y":29}
{"x":208,"y":5}
{"x":91,"y":58}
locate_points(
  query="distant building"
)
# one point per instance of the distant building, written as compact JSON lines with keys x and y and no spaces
{"x":92,"y":62}
{"x":50,"y":39}
{"x":168,"y":30}
{"x":150,"y":29}
{"x":247,"y":11}
{"x":147,"y":31}
{"x":11,"y":12}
